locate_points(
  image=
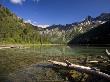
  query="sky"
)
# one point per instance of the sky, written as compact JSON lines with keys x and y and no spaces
{"x":48,"y":12}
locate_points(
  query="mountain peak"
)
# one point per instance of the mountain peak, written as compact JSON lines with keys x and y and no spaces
{"x":88,"y":18}
{"x":103,"y":17}
{"x":104,"y":14}
{"x":1,"y":5}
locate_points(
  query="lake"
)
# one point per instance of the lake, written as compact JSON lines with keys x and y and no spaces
{"x":29,"y":64}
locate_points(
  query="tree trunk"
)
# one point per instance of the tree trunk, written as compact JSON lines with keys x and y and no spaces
{"x":82,"y":69}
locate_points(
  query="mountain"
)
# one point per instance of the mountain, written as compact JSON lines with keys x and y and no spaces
{"x":99,"y":35}
{"x":65,"y":33}
{"x":103,"y":17}
{"x":13,"y":29}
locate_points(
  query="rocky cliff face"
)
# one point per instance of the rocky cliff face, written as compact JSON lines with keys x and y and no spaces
{"x":64,"y":33}
{"x":99,"y":35}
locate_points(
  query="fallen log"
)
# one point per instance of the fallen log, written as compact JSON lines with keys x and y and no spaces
{"x":93,"y":61}
{"x":82,"y":69}
{"x":108,"y":54}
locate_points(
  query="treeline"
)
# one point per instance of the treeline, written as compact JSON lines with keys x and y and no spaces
{"x":14,"y":30}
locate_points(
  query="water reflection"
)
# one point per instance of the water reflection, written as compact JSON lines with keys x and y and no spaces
{"x":67,"y":51}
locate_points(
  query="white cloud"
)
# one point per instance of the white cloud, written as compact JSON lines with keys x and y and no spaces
{"x":21,"y":1}
{"x":31,"y":22}
{"x":17,"y":1}
{"x":43,"y":26}
{"x":35,"y":23}
{"x":27,"y":21}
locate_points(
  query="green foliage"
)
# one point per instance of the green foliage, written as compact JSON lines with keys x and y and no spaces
{"x":14,"y":30}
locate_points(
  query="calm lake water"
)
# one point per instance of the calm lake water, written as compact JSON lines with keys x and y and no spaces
{"x":28,"y":64}
{"x":68,"y":51}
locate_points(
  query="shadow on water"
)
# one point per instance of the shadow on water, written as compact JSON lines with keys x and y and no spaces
{"x":47,"y":73}
{"x":41,"y":73}
{"x":63,"y":73}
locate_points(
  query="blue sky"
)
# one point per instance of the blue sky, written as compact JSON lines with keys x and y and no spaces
{"x":56,"y":11}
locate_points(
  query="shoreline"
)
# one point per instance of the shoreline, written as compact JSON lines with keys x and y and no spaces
{"x":4,"y":46}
